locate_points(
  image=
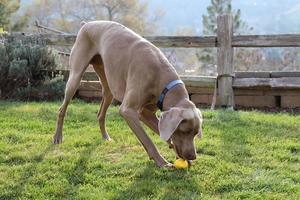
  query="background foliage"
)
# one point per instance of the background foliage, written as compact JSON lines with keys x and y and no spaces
{"x":7,"y":7}
{"x":27,"y":67}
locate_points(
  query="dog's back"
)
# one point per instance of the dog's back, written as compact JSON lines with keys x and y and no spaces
{"x":126,"y":56}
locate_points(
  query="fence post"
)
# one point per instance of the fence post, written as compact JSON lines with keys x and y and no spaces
{"x":225,"y":61}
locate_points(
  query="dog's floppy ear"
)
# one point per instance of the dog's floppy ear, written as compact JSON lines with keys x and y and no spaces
{"x":168,"y":122}
{"x":201,"y":120}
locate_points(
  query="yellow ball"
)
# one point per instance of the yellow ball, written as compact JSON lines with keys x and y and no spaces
{"x":181,"y":164}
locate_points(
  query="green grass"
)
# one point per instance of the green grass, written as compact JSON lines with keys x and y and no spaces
{"x":243,"y":155}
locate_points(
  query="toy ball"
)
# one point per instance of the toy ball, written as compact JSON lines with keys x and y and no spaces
{"x":181,"y":164}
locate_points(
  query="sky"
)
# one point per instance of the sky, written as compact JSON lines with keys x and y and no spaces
{"x":265,"y":16}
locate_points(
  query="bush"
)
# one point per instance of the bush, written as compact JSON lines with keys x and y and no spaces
{"x":28,"y":67}
{"x":49,"y":90}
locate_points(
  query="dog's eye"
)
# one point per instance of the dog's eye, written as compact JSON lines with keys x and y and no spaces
{"x":187,"y":131}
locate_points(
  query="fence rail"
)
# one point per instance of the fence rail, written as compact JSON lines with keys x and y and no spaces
{"x":284,"y":40}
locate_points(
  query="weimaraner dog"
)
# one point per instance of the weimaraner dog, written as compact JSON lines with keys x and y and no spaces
{"x":136,"y":73}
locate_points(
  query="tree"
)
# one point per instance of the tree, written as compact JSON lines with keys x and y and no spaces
{"x":131,"y":13}
{"x":19,"y":22}
{"x":7,"y":8}
{"x":66,"y":15}
{"x":41,"y":10}
{"x":218,"y":7}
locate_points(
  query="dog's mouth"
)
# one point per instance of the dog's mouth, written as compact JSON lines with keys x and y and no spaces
{"x":176,"y":151}
{"x":173,"y":146}
{"x":178,"y":154}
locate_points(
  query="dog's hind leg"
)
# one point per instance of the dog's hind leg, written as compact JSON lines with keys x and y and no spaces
{"x":107,"y":96}
{"x":78,"y":64}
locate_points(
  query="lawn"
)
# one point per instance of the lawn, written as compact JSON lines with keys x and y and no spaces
{"x":243,"y":155}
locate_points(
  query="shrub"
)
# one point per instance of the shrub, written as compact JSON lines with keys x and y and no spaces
{"x":49,"y":90}
{"x":28,"y":67}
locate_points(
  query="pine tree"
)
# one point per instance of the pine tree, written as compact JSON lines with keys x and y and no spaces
{"x":219,"y":7}
{"x":209,"y":21}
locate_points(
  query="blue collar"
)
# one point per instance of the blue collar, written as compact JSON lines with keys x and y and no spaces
{"x":164,"y":92}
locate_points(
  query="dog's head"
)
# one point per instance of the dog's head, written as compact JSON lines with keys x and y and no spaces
{"x":180,"y":126}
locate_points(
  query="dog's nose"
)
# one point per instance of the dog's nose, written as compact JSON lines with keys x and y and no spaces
{"x":190,"y":156}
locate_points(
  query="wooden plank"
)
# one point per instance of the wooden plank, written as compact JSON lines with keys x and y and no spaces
{"x":260,"y":97}
{"x":287,"y":40}
{"x":255,"y":101}
{"x":49,"y":39}
{"x":161,"y":41}
{"x":251,"y":82}
{"x":248,"y":92}
{"x":183,"y":41}
{"x":252,"y":74}
{"x":202,"y":99}
{"x":90,"y":86}
{"x":199,"y":81}
{"x":225,"y":60}
{"x":59,"y":39}
{"x":200,"y":90}
{"x":89,"y":94}
{"x":96,"y":85}
{"x":288,"y":83}
{"x":290,"y":101}
{"x":282,"y":92}
{"x":284,"y":74}
{"x":90,"y":76}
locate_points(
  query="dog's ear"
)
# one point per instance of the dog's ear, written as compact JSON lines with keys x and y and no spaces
{"x":201,"y":120}
{"x":168,"y":122}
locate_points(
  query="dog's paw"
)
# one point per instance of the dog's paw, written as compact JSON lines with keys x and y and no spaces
{"x":108,"y":139}
{"x":57,"y":139}
{"x":167,"y":165}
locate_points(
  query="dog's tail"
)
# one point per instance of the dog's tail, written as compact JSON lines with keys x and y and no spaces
{"x":82,"y":23}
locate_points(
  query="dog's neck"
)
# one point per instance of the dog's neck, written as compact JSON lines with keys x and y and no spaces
{"x":177,"y":96}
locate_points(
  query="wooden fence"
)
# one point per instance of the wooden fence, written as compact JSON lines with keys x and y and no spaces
{"x":255,"y":89}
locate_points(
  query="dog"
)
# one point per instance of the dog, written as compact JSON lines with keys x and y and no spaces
{"x":135,"y":72}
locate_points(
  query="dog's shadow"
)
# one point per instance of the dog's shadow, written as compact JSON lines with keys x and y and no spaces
{"x":155,"y":183}
{"x":30,"y":168}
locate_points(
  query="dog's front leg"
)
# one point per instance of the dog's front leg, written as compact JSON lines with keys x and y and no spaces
{"x":150,"y":119}
{"x":132,"y":118}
